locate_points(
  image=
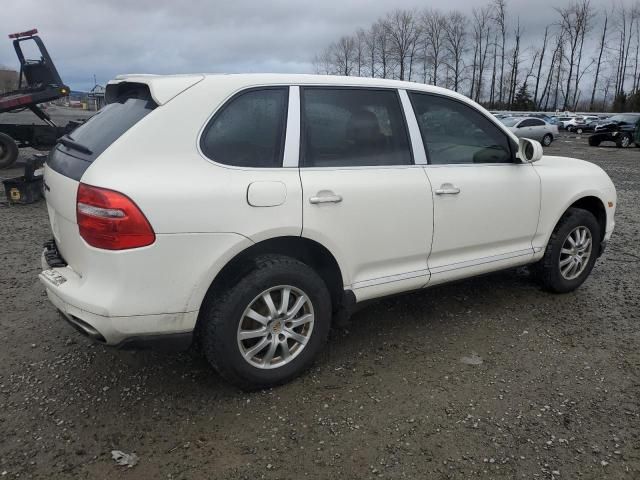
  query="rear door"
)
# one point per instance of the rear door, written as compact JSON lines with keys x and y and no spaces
{"x":363,"y":196}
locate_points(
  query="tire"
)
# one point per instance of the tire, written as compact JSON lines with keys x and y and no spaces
{"x":8,"y":151}
{"x":226,"y":315}
{"x":624,"y":141}
{"x":552,"y":275}
{"x":594,"y":141}
{"x":547,"y":139}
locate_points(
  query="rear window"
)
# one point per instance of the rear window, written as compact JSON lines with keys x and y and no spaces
{"x":132,"y":103}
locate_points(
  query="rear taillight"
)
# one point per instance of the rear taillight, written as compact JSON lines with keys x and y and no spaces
{"x":111,"y":220}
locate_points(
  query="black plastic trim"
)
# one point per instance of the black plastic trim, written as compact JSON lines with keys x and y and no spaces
{"x":169,"y":342}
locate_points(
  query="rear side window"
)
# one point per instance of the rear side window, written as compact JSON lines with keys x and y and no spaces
{"x":453,"y":132}
{"x":132,"y":103}
{"x":249,"y":131}
{"x":345,"y":127}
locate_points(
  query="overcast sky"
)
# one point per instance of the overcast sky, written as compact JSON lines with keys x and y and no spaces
{"x":109,"y":37}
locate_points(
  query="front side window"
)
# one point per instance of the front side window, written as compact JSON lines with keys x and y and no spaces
{"x":249,"y":130}
{"x":453,"y":132}
{"x":346,"y":127}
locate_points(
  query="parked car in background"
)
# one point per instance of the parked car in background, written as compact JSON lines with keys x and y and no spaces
{"x":619,"y":129}
{"x":294,"y":198}
{"x":586,"y":124}
{"x":574,"y":121}
{"x":542,"y":116}
{"x":562,"y":121}
{"x":533,"y":128}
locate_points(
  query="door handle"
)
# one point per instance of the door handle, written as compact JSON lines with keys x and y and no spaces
{"x":325,"y":199}
{"x":447,"y":189}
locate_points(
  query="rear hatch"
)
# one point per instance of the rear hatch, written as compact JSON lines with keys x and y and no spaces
{"x":67,"y":162}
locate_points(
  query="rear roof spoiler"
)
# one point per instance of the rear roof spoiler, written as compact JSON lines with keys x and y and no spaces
{"x":162,"y":87}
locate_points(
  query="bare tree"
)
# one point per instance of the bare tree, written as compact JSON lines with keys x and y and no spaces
{"x":455,"y":45}
{"x":343,"y":52}
{"x":603,"y":40}
{"x":360,"y":48}
{"x":434,"y":26}
{"x":515,"y":64}
{"x":500,"y":17}
{"x":492,"y":93}
{"x":323,"y":63}
{"x":541,"y":53}
{"x":371,"y":48}
{"x":402,"y":31}
{"x":481,"y":32}
{"x":382,"y":41}
{"x":485,"y":56}
{"x":574,"y":23}
{"x":625,"y":23}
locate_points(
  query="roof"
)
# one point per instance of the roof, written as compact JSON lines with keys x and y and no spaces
{"x":164,"y":87}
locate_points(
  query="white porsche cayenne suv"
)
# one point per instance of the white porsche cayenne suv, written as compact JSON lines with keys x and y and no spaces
{"x":243,"y":213}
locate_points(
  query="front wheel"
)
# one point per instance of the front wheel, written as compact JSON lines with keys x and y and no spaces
{"x":547,"y":139}
{"x":579,"y":131}
{"x":594,"y":141}
{"x":571,"y":252}
{"x":268,"y":327}
{"x":624,"y":141}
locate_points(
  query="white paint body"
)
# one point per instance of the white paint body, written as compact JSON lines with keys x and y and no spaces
{"x":391,"y":233}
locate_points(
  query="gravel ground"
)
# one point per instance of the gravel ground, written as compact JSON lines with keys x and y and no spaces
{"x":486,"y":378}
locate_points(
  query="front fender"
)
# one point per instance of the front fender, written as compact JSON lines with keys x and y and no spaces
{"x":564,"y":181}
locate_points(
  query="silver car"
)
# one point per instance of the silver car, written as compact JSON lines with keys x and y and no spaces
{"x":533,"y":128}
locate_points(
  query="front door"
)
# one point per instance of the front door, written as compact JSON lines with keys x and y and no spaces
{"x":363,"y":196}
{"x":486,"y":203}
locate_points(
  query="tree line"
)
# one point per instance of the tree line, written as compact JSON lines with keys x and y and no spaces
{"x":585,"y":60}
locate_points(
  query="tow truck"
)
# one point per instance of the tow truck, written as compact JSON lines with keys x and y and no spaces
{"x":39,"y":82}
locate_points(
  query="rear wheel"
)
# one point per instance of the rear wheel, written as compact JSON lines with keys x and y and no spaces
{"x":624,"y":141}
{"x":579,"y":130}
{"x":269,"y":327}
{"x":8,"y":151}
{"x":571,"y":252}
{"x":547,"y":139}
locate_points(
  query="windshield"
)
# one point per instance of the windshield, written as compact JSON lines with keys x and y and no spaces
{"x":510,"y":121}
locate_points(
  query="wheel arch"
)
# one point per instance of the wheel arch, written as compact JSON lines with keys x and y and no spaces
{"x":303,"y":249}
{"x":589,"y":202}
{"x":596,"y":206}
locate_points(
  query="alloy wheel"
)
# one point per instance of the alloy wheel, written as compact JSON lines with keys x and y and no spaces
{"x":575,"y":253}
{"x":275,"y":327}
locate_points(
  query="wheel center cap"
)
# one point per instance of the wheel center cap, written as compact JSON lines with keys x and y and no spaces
{"x":276,"y":327}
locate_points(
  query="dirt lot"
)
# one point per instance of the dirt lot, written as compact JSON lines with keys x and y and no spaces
{"x":488,"y":378}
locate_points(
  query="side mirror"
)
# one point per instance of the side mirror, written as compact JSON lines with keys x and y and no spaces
{"x":529,"y":150}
